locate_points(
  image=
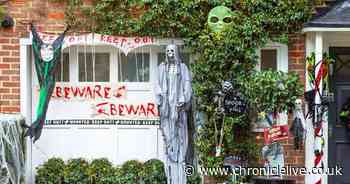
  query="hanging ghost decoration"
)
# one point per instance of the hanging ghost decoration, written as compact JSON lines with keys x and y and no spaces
{"x":46,"y":58}
{"x":298,"y":128}
{"x":173,"y":97}
{"x":220,"y":19}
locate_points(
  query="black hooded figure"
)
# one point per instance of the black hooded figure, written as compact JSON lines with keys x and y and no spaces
{"x":46,"y":58}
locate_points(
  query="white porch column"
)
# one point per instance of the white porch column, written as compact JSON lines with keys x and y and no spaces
{"x":314,"y":43}
{"x":318,"y":56}
{"x":309,"y":142}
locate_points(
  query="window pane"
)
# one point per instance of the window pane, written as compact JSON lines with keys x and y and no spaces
{"x":86,"y":67}
{"x":134,"y":67}
{"x":102,"y":67}
{"x":184,"y":56}
{"x":62,"y":73}
{"x":342,"y":69}
{"x":268,"y":59}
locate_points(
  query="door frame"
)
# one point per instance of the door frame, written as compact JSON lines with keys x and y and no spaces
{"x":26,"y":99}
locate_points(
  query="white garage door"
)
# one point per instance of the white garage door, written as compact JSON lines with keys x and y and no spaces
{"x":102,"y":106}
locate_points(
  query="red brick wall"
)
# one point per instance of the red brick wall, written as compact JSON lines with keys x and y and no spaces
{"x":296,"y":55}
{"x":50,"y":18}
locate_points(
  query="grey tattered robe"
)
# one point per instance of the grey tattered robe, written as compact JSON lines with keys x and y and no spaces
{"x":172,"y":90}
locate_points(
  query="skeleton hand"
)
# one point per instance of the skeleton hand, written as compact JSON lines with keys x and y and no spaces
{"x":158,"y":109}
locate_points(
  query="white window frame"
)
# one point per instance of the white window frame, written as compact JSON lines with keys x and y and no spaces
{"x":142,"y":86}
{"x":282,"y":65}
{"x":282,"y":56}
{"x":153,"y":50}
{"x":74,"y":62}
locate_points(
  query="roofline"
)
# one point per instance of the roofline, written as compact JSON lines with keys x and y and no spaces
{"x":327,"y":25}
{"x":325,"y":29}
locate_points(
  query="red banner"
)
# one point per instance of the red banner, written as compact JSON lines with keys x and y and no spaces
{"x":276,"y":133}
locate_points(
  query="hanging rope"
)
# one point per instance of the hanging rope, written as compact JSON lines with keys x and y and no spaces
{"x":77,"y":58}
{"x":69,"y":54}
{"x":137,"y":68}
{"x":61,"y":67}
{"x":142,"y":65}
{"x":150,"y":51}
{"x":93,"y":58}
{"x":120,"y":66}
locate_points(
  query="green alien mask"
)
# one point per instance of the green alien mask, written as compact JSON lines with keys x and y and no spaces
{"x":220,"y":19}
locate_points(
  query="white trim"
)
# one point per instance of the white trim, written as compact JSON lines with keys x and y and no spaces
{"x":325,"y":29}
{"x":282,"y":56}
{"x":26,"y":101}
{"x":318,"y":56}
{"x":309,"y":141}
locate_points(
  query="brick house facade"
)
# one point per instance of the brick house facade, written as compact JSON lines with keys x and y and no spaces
{"x":50,"y":17}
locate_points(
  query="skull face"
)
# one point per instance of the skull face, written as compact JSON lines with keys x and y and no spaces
{"x":46,"y":52}
{"x":226,"y":86}
{"x":298,"y":104}
{"x":220,"y":19}
{"x":172,"y":52}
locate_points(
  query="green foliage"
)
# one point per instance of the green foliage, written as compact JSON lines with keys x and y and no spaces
{"x":100,"y":171}
{"x":76,"y":171}
{"x":184,"y":18}
{"x":195,"y":178}
{"x":51,"y":172}
{"x":271,"y":91}
{"x":131,"y":172}
{"x":153,"y":172}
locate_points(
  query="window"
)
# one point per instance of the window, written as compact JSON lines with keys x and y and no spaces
{"x":135,"y":67}
{"x":268,"y":59}
{"x":103,"y":63}
{"x":94,"y":67}
{"x":62,"y":73}
{"x":273,"y":57}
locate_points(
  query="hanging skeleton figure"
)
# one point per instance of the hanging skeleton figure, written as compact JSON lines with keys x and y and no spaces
{"x":46,"y":58}
{"x":298,"y":127}
{"x":220,"y":111}
{"x":229,"y":102}
{"x":173,"y":96}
